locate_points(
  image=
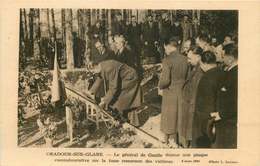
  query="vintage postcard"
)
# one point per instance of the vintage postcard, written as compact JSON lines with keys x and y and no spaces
{"x":129,"y":83}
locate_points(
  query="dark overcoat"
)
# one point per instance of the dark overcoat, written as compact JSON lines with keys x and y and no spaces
{"x":177,"y":32}
{"x":165,"y":30}
{"x":189,"y":97}
{"x":118,"y":28}
{"x":174,"y":69}
{"x":205,"y":104}
{"x":130,"y":58}
{"x":226,"y":128}
{"x":150,"y":32}
{"x":127,"y":57}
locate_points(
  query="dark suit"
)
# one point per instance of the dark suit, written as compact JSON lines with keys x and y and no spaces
{"x":133,"y":37}
{"x":177,"y":32}
{"x":166,"y":30}
{"x":97,"y":34}
{"x":118,"y":28}
{"x":174,"y":69}
{"x":126,"y":57}
{"x":226,"y":128}
{"x":150,"y":32}
{"x":205,"y":104}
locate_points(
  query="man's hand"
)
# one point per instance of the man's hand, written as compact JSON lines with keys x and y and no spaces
{"x":215,"y":115}
{"x":91,"y":95}
{"x":103,"y":105}
{"x":90,"y":65}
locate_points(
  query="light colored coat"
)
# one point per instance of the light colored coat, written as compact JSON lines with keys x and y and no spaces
{"x":174,"y":69}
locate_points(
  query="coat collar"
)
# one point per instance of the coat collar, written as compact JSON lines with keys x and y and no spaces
{"x":174,"y":53}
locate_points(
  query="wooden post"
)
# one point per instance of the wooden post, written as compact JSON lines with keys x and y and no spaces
{"x":69,"y":122}
{"x":86,"y":103}
{"x":97,"y":115}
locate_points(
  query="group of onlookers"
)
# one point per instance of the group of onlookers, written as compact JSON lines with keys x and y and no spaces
{"x":199,"y":103}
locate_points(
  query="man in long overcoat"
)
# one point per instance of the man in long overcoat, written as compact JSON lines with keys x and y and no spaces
{"x":122,"y":88}
{"x":118,"y":26}
{"x":150,"y":31}
{"x":174,"y":69}
{"x":205,"y":100}
{"x":226,"y":117}
{"x":189,"y":96}
{"x":165,"y":28}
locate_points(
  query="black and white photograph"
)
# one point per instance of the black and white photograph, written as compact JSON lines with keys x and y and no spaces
{"x":127,"y":78}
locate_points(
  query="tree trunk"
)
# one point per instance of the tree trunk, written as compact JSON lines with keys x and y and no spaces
{"x":109,"y":19}
{"x":80,"y":24}
{"x":21,"y":42}
{"x":31,"y":27}
{"x":25,"y":25}
{"x":48,"y":23}
{"x":21,"y":35}
{"x":53,"y":24}
{"x":69,"y":39}
{"x":38,"y":23}
{"x":63,"y":26}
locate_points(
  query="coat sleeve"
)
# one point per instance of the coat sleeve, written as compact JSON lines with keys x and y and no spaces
{"x":165,"y":78}
{"x":97,"y":84}
{"x":113,"y":77}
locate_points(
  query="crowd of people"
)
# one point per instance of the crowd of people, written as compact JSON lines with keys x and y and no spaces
{"x":145,"y":39}
{"x":199,"y":105}
{"x":198,"y":83}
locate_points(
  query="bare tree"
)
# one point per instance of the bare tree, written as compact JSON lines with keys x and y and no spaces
{"x":48,"y":22}
{"x":53,"y":24}
{"x":25,"y":25}
{"x":69,"y":39}
{"x":31,"y":32}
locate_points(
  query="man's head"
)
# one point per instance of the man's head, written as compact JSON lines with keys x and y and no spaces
{"x":149,"y":18}
{"x":133,"y":19}
{"x":187,"y":44}
{"x":228,"y":40}
{"x":165,"y":16}
{"x":202,"y":41}
{"x":98,"y":24}
{"x":176,"y":21}
{"x":230,"y":54}
{"x":118,"y":17}
{"x":170,"y":46}
{"x":52,"y":39}
{"x":185,"y":17}
{"x":119,"y":42}
{"x":95,"y":68}
{"x":194,"y":55}
{"x":99,"y":46}
{"x":208,"y":60}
